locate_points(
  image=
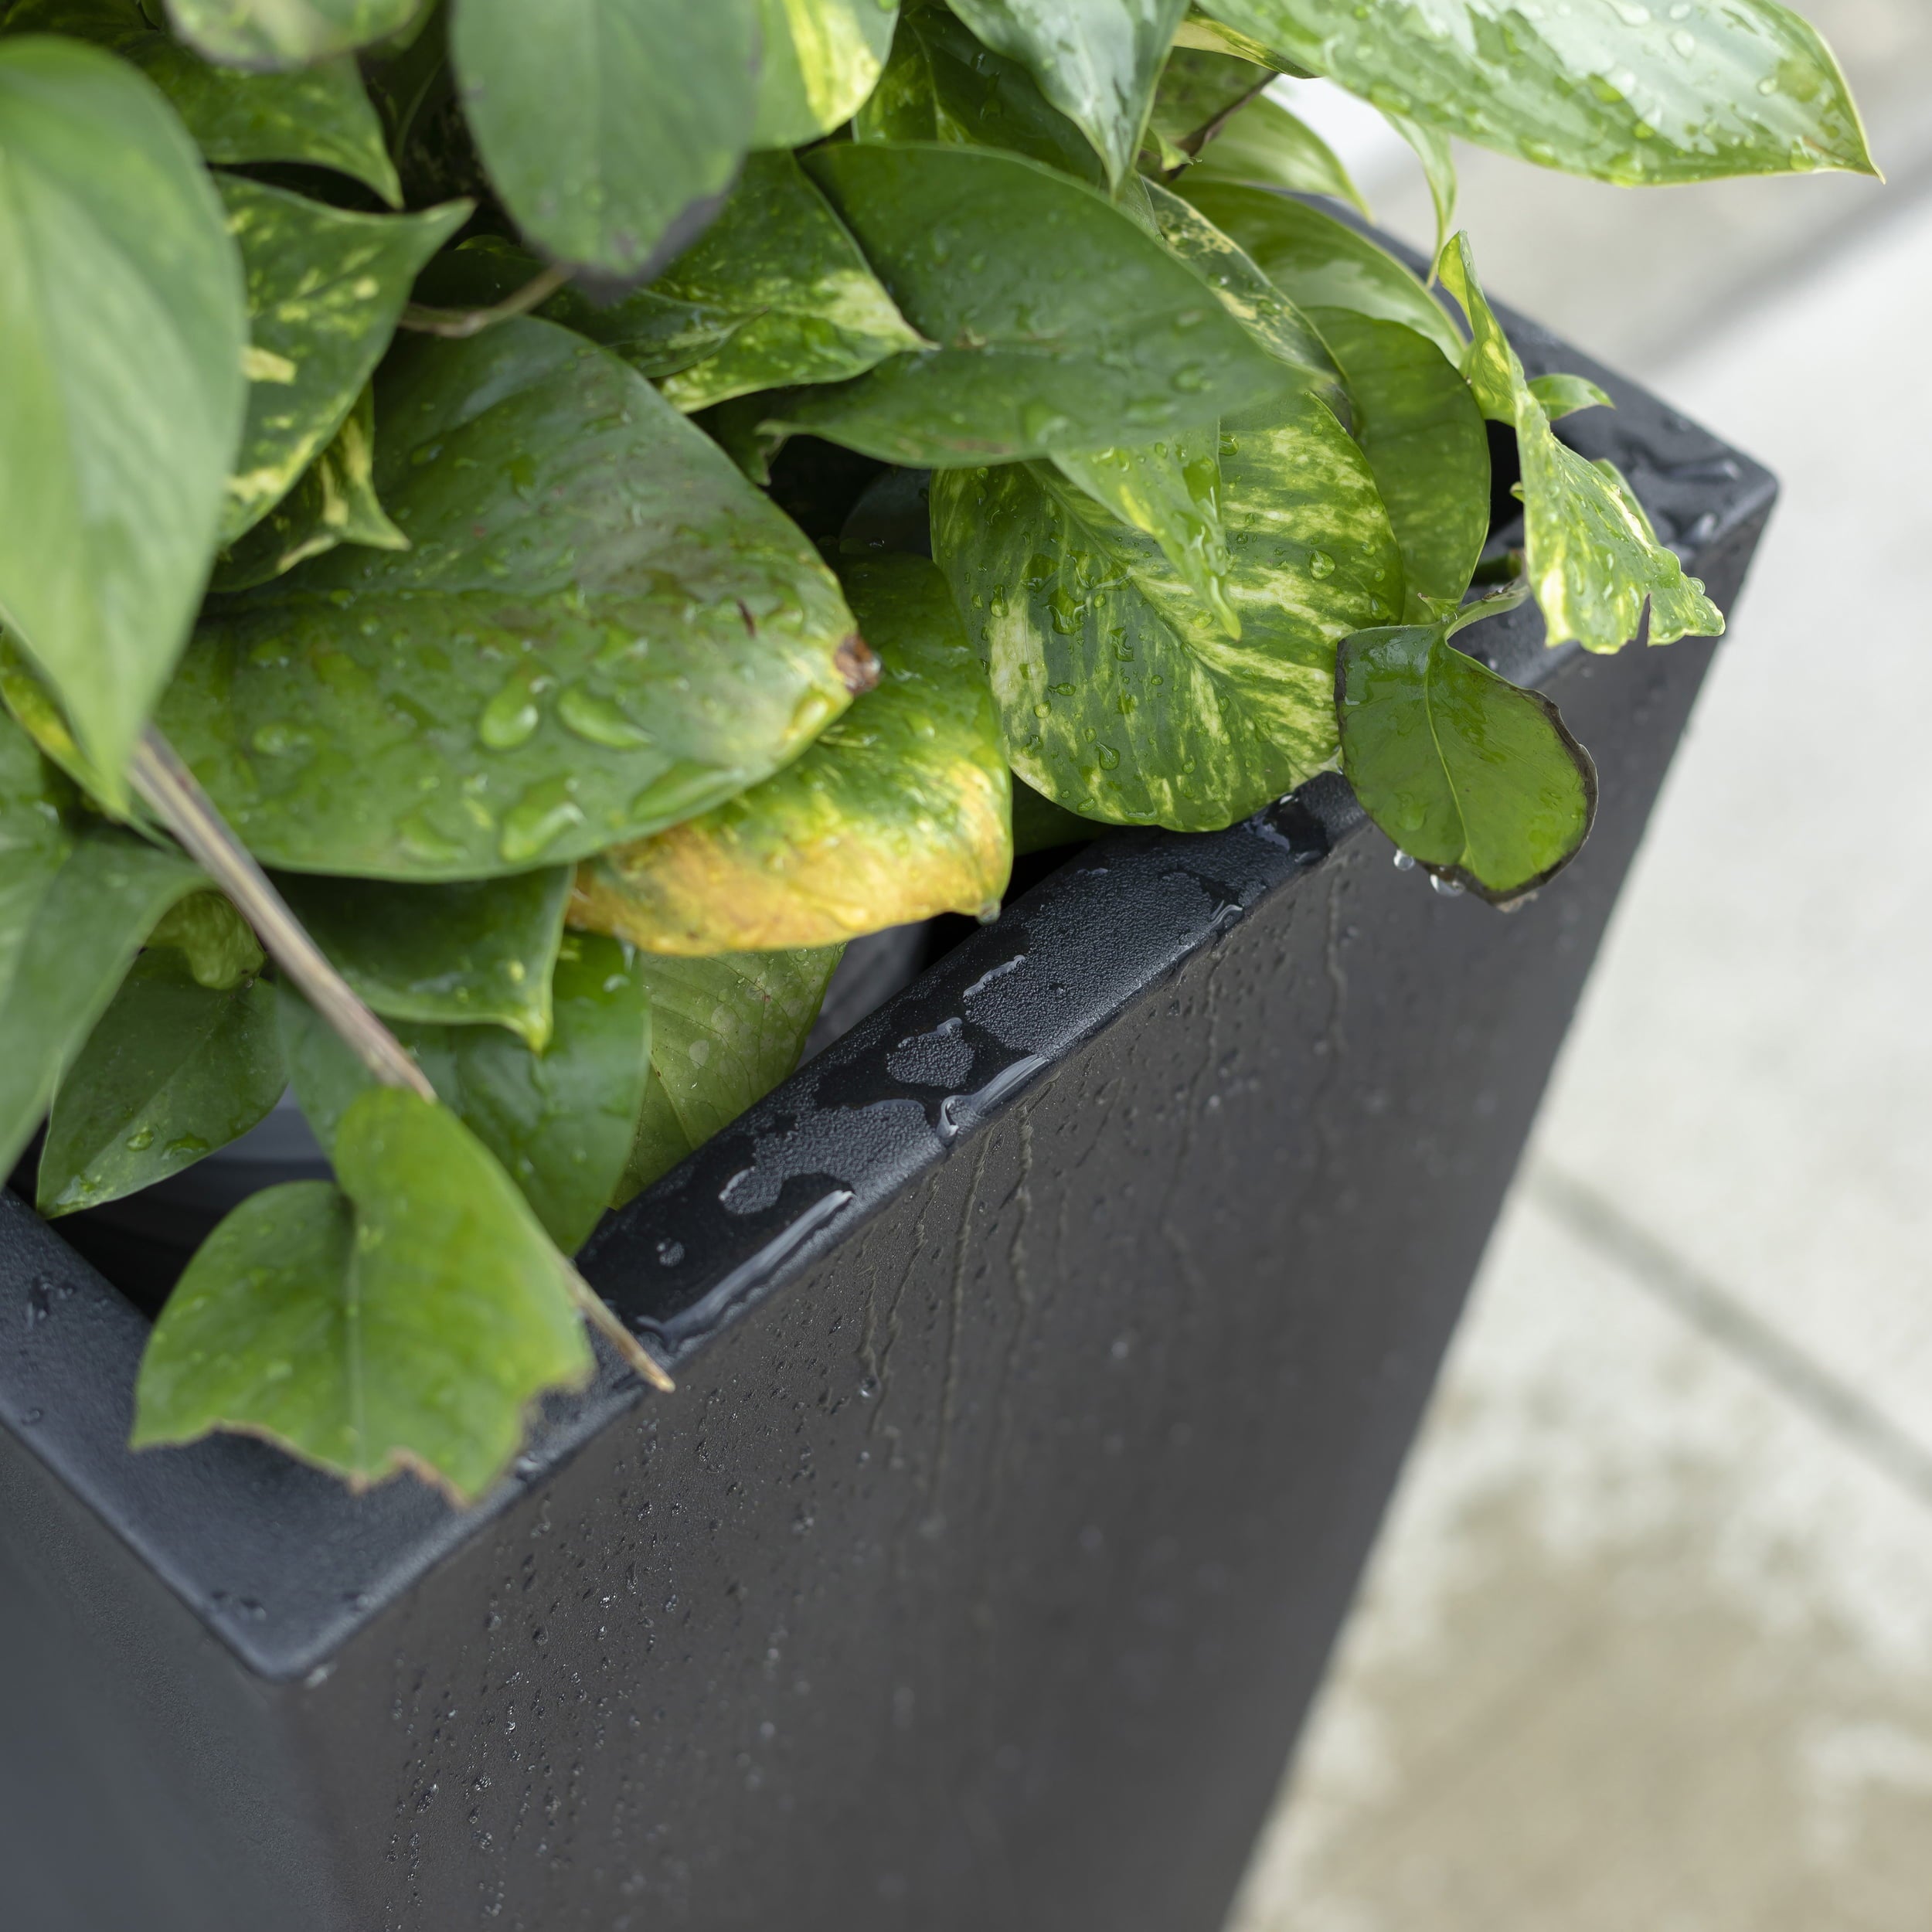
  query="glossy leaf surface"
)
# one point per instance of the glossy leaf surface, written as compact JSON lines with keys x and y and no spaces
{"x":34,"y":837}
{"x":1563,"y":395}
{"x":820,"y":59}
{"x":601,"y":629}
{"x":1423,"y":434}
{"x":1267,"y":145}
{"x":1477,"y":778}
{"x":724,"y":1033}
{"x":560,"y":1120}
{"x":1438,"y":161}
{"x":1321,"y":263}
{"x":899,"y":812}
{"x":406,"y":1321}
{"x":471,"y":954}
{"x":217,"y":943}
{"x":324,"y":289}
{"x":1060,"y":324}
{"x":1118,"y":695}
{"x":321,"y":115}
{"x":172,"y":1071}
{"x":286,"y":33}
{"x":121,"y":334}
{"x":662,"y":94}
{"x":1626,"y":92}
{"x":1590,"y":553}
{"x":1096,"y":60}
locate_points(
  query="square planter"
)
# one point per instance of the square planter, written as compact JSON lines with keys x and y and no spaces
{"x":1048,"y":1349}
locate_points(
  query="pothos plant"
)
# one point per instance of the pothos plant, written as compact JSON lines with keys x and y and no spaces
{"x":419,"y":696}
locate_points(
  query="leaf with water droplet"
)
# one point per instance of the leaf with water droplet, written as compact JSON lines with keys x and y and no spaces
{"x":820,"y":60}
{"x":1477,"y":779}
{"x":898,"y":813}
{"x":651,"y":577}
{"x":407,"y":1320}
{"x":172,"y":1070}
{"x":1597,"y":90}
{"x":272,"y":34}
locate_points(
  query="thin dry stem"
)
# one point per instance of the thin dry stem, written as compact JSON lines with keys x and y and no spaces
{"x":595,"y":1311}
{"x":459,"y":323}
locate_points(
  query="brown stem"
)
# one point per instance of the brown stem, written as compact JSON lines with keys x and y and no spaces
{"x":171,"y":792}
{"x":593,"y":1308}
{"x":458,"y":324}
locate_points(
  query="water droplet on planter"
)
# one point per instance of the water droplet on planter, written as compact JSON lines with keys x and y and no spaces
{"x":1405,"y":862}
{"x":1449,"y":888}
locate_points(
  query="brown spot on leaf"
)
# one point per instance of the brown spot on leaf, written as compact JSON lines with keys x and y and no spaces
{"x":857,"y":663}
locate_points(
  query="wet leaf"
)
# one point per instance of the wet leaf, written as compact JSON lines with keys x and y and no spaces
{"x":558,"y":1120}
{"x":1319,"y":263}
{"x":219,"y":946}
{"x":405,"y":1321}
{"x":1119,"y":698}
{"x":1561,"y":396}
{"x":1477,"y":779}
{"x":776,"y":284}
{"x":1198,"y":31}
{"x":321,"y":115}
{"x":1621,"y":92}
{"x":1096,"y":60}
{"x":601,"y":629}
{"x":724,"y":1033}
{"x":286,"y":33}
{"x":334,"y":502}
{"x":1060,"y":324}
{"x":899,"y":812}
{"x":661,"y":95}
{"x":79,"y":938}
{"x":820,"y":59}
{"x":324,"y":289}
{"x":1589,"y":553}
{"x":172,"y":1071}
{"x":1423,"y":434}
{"x":121,"y":334}
{"x":1266,"y":145}
{"x":477,"y":953}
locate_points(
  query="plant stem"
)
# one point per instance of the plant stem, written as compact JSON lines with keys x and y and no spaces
{"x":459,"y":323}
{"x":598,"y":1312}
{"x":171,"y":791}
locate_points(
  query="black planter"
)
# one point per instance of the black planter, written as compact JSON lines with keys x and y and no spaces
{"x":1048,"y":1349}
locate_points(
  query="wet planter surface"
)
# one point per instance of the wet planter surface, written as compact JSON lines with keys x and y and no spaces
{"x":1049,"y":1348}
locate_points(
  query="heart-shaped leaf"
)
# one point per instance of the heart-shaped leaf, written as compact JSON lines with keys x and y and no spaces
{"x":406,"y":1321}
{"x":172,"y":1070}
{"x":1479,"y":779}
{"x":287,"y":33}
{"x":662,"y":95}
{"x":821,"y":59}
{"x":601,"y":629}
{"x":1119,"y":697}
{"x":1697,"y":90}
{"x":899,"y":812}
{"x":121,"y":335}
{"x":1060,"y":323}
{"x":324,"y":289}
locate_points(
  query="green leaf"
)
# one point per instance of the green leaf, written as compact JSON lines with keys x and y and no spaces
{"x":724,"y":1033}
{"x":82,"y":936}
{"x":778,"y":283}
{"x":121,"y":334}
{"x":218,"y":944}
{"x":471,"y":954}
{"x":275,"y":34}
{"x":172,"y":1071}
{"x":898,"y":813}
{"x":334,"y":502}
{"x":1589,"y":553}
{"x":1267,"y":145}
{"x":321,"y":115}
{"x":1477,"y":779}
{"x":1695,"y":91}
{"x":1198,"y":30}
{"x":601,"y":629}
{"x":1561,"y":396}
{"x":1096,"y":60}
{"x":560,"y":1120}
{"x":324,"y":289}
{"x":1319,"y":262}
{"x":608,"y":130}
{"x":1432,"y":149}
{"x":821,"y":58}
{"x":1061,"y":324}
{"x":405,"y":1322}
{"x":1423,"y":434}
{"x":1197,"y":94}
{"x":1040,"y":825}
{"x":1119,"y":698}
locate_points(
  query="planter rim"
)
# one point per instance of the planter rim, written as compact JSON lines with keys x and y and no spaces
{"x":285,"y":1565}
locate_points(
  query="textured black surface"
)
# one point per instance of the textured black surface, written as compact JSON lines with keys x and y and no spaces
{"x":1049,"y":1348}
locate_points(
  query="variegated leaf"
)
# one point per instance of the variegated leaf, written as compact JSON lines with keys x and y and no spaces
{"x":821,"y":58}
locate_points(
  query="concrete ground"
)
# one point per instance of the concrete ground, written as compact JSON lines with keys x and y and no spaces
{"x":1648,"y":1640}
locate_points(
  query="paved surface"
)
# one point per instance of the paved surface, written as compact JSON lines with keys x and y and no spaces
{"x":1648,"y":1640}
